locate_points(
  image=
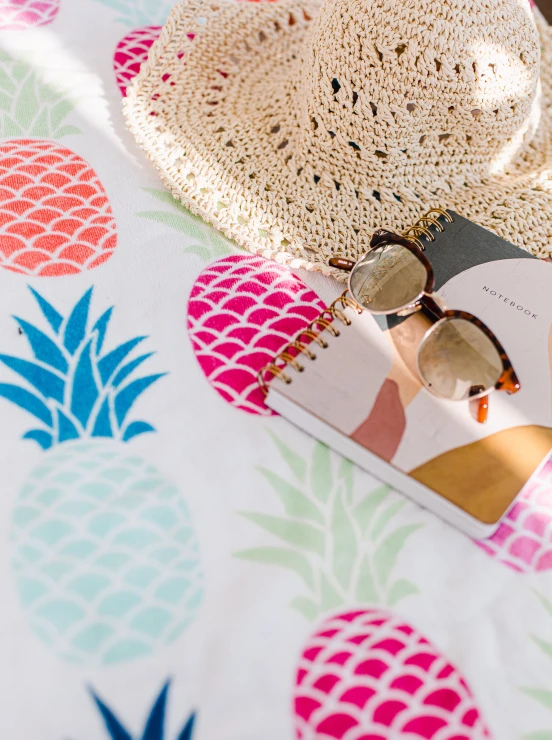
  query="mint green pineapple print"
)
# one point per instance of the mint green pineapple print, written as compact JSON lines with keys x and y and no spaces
{"x":140,"y":12}
{"x":208,"y":243}
{"x":342,"y":546}
{"x":105,"y":555}
{"x":542,"y":694}
{"x":29,"y":106}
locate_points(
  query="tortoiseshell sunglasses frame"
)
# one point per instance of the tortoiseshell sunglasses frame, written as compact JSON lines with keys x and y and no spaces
{"x":508,"y":380}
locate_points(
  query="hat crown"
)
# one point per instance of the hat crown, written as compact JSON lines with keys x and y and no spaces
{"x":417,"y":91}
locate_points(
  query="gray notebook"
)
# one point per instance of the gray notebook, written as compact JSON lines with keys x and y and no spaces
{"x":362,"y":396}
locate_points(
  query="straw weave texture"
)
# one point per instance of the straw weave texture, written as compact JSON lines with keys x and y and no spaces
{"x":298,"y":127}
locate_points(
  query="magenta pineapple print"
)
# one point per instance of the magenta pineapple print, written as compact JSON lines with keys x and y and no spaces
{"x":131,"y":51}
{"x":241,"y":312}
{"x":368,"y":675}
{"x":523,"y":540}
{"x":17,"y":15}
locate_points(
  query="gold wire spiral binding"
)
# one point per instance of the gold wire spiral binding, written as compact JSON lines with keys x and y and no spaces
{"x":303,"y":349}
{"x":326,"y":324}
{"x":423,"y":225}
{"x":313,"y":333}
{"x":314,"y":337}
{"x":291,"y":360}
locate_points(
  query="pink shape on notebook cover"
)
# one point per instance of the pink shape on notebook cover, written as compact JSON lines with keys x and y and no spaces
{"x":382,"y":431}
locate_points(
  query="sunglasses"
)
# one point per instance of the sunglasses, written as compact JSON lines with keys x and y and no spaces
{"x":459,"y":357}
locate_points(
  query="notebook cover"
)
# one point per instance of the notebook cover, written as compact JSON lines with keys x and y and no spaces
{"x":365,"y":384}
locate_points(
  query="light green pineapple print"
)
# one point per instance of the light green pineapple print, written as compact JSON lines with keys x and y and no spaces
{"x":135,"y":13}
{"x":210,"y":243}
{"x":29,"y":106}
{"x":343,"y":547}
{"x":105,"y":556}
{"x":542,"y":695}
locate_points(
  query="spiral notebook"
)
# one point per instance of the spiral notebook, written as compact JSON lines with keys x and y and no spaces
{"x":349,"y":381}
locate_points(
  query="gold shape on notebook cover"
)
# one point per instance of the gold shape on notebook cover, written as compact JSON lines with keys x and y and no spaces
{"x":483,"y":478}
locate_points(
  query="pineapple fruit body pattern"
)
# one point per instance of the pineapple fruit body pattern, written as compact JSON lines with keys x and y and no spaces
{"x":367,"y":674}
{"x":105,"y":556}
{"x":18,"y":15}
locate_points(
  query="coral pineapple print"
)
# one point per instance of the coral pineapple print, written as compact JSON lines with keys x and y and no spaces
{"x":242,"y":311}
{"x":17,"y":15}
{"x":367,"y":675}
{"x":105,"y":555}
{"x":55,"y":216}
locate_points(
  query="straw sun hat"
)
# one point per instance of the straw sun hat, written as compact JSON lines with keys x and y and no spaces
{"x":298,"y":127}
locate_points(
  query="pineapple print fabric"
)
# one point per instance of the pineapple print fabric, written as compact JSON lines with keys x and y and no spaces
{"x":176,"y":562}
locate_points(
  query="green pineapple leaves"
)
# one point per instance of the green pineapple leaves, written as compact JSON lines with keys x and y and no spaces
{"x":28,"y":106}
{"x":70,"y":386}
{"x":210,"y":243}
{"x":542,"y":696}
{"x":155,"y":723}
{"x":135,"y":13}
{"x":342,"y":547}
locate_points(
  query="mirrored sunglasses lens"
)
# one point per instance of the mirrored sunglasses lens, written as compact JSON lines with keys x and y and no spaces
{"x":456,"y":357}
{"x":388,"y":279}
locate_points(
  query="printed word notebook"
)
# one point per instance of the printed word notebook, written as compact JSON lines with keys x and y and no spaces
{"x":359,"y":391}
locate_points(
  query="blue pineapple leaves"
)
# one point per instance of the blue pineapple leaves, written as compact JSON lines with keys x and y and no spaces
{"x":28,"y":401}
{"x":136,"y":428}
{"x":114,"y":727}
{"x":75,"y":329}
{"x":41,"y":436}
{"x":54,"y":318}
{"x":44,"y":349}
{"x":111,"y":361}
{"x":100,"y":327}
{"x":155,"y":725}
{"x":187,"y":732}
{"x":66,"y":429}
{"x":69,"y":385}
{"x":44,"y":381}
{"x":127,"y":369}
{"x":127,"y":395}
{"x":85,"y":391}
{"x":155,"y":722}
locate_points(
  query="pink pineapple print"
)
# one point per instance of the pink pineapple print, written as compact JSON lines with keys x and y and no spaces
{"x":17,"y":15}
{"x":523,"y":541}
{"x":367,"y":675}
{"x":131,"y":51}
{"x":241,"y":312}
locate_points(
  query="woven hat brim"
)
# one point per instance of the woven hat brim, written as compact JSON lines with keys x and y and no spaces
{"x":215,"y":110}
